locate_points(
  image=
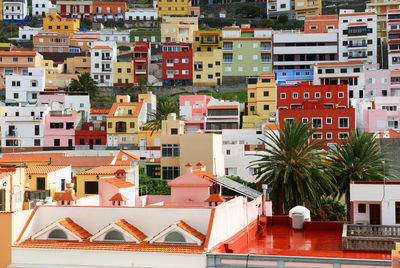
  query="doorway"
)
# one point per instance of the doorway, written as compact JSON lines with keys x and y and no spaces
{"x":40,"y":184}
{"x":374,"y":214}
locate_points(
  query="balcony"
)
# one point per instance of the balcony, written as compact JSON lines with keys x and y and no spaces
{"x":265,"y":48}
{"x":12,"y":133}
{"x":357,"y":45}
{"x":106,"y":57}
{"x":211,"y":41}
{"x":358,"y":56}
{"x":37,"y":195}
{"x":140,"y":59}
{"x":228,"y":48}
{"x":140,"y":71}
{"x":105,"y":69}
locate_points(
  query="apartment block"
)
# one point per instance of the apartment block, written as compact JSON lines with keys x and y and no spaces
{"x":357,"y":36}
{"x":15,"y":11}
{"x":296,"y":50}
{"x":27,"y":33}
{"x":382,"y":8}
{"x":261,"y":104}
{"x":306,"y":8}
{"x":321,"y":24}
{"x":77,"y":65}
{"x":141,"y":61}
{"x":53,"y":42}
{"x":102,"y":58}
{"x":246,"y":52}
{"x":194,"y":109}
{"x":59,"y":130}
{"x":109,"y":11}
{"x":383,"y":116}
{"x":55,"y":23}
{"x":393,"y":38}
{"x":144,"y":35}
{"x":177,"y":64}
{"x":123,"y":72}
{"x":324,"y":106}
{"x":174,"y":8}
{"x":23,"y":89}
{"x":17,"y":62}
{"x":293,"y":77}
{"x":91,"y":136}
{"x":222,"y":115}
{"x":83,"y":41}
{"x":275,"y":8}
{"x":75,"y":9}
{"x":42,"y":7}
{"x":115,"y":35}
{"x":141,"y":14}
{"x":178,"y":29}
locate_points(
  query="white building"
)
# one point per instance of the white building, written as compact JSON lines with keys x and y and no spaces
{"x":115,"y":35}
{"x":375,"y":203}
{"x":23,"y":127}
{"x":393,"y":38}
{"x":27,"y":33}
{"x":222,"y":115}
{"x":280,"y":7}
{"x":41,"y":7}
{"x":357,"y":36}
{"x":102,"y":57}
{"x":141,"y":14}
{"x":24,"y":88}
{"x":15,"y":11}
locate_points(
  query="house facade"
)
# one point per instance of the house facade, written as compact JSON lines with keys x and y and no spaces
{"x":102,"y":58}
{"x":177,"y":64}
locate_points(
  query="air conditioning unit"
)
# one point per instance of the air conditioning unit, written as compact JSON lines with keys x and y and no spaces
{"x":272,"y":114}
{"x":272,"y":120}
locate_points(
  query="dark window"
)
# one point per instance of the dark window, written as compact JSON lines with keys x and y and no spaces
{"x":330,"y":71}
{"x":82,"y":141}
{"x":397,"y":205}
{"x":170,"y":150}
{"x":266,"y":107}
{"x":56,"y":125}
{"x":362,"y":208}
{"x":217,"y":74}
{"x":222,"y":112}
{"x":356,"y":70}
{"x":252,"y":108}
{"x":62,"y":184}
{"x":56,"y":142}
{"x":210,"y":65}
{"x":343,"y":70}
{"x":174,"y":131}
{"x":251,"y":95}
{"x":132,"y":124}
{"x":217,"y":63}
{"x":170,"y":173}
{"x":40,"y":183}
{"x":70,"y":125}
{"x":91,"y":187}
{"x":37,"y":130}
{"x":210,"y":76}
{"x":109,"y":125}
{"x":266,"y":93}
{"x":198,"y":76}
{"x":98,"y":141}
{"x":37,"y":142}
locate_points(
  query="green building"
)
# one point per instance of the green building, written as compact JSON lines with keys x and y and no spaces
{"x":147,"y":35}
{"x":246,"y":52}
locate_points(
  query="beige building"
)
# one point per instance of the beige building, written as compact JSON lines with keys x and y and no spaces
{"x":306,"y":8}
{"x":77,"y":65}
{"x":178,"y":29}
{"x":178,"y":149}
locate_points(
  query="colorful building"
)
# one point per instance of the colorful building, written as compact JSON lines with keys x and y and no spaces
{"x":123,"y":123}
{"x":75,"y":9}
{"x":145,"y":35}
{"x":194,"y":109}
{"x":293,"y":77}
{"x":15,"y":11}
{"x":246,"y":52}
{"x":393,"y":39}
{"x":109,"y":11}
{"x":141,"y":61}
{"x":177,"y":64}
{"x":178,"y":29}
{"x":383,"y":115}
{"x":77,"y":65}
{"x":31,"y":159}
{"x":103,"y":54}
{"x":306,"y":8}
{"x":59,"y":130}
{"x":169,"y":8}
{"x":321,"y":24}
{"x":53,"y":42}
{"x":222,"y":115}
{"x":382,"y":8}
{"x":123,"y":72}
{"x":55,"y":23}
{"x":91,"y":136}
{"x":261,"y":104}
{"x":324,"y":106}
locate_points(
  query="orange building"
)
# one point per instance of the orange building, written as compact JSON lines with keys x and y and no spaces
{"x":17,"y":62}
{"x":320,"y":24}
{"x":109,"y":10}
{"x":55,"y":42}
{"x":78,"y":64}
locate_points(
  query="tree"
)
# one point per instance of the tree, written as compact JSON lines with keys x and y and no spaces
{"x":248,"y":10}
{"x":291,"y":164}
{"x":331,"y":210}
{"x":357,"y":158}
{"x":268,"y":22}
{"x":86,"y":23}
{"x":165,"y":106}
{"x":283,"y":19}
{"x":84,"y":83}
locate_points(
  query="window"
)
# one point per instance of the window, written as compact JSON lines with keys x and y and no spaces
{"x":36,"y":142}
{"x":37,"y":130}
{"x":170,"y":173}
{"x":317,"y":136}
{"x":328,"y":95}
{"x":329,"y":120}
{"x":15,"y":59}
{"x":16,"y":95}
{"x":283,"y":95}
{"x":114,"y":235}
{"x":57,"y":234}
{"x":228,"y":152}
{"x":317,"y":122}
{"x":56,"y":125}
{"x":343,"y":122}
{"x":341,"y":95}
{"x":252,"y":109}
{"x":91,"y":187}
{"x":56,"y":142}
{"x":317,"y":95}
{"x":252,"y":95}
{"x":266,"y":107}
{"x":306,"y":95}
{"x":295,"y":95}
{"x":170,"y":150}
{"x":329,"y":136}
{"x":362,"y":208}
{"x":343,"y":135}
{"x":109,"y":125}
{"x":266,"y":93}
{"x":174,"y":237}
{"x":69,"y":125}
{"x":304,"y":120}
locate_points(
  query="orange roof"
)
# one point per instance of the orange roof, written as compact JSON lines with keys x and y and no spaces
{"x":104,"y":170}
{"x":271,"y":126}
{"x":129,"y":157}
{"x":18,"y":53}
{"x":41,"y":169}
{"x":204,"y":174}
{"x":267,"y":75}
{"x":135,"y":232}
{"x":233,"y":106}
{"x":392,"y":134}
{"x":6,"y":174}
{"x":338,"y":63}
{"x":12,"y":158}
{"x":138,"y":108}
{"x":184,"y":226}
{"x":86,"y":245}
{"x":119,"y":183}
{"x":118,"y":197}
{"x":322,"y":17}
{"x":83,"y":161}
{"x":68,"y":196}
{"x":101,"y":47}
{"x":215,"y":198}
{"x":357,"y":14}
{"x":201,"y":163}
{"x":99,"y":111}
{"x":75,"y":228}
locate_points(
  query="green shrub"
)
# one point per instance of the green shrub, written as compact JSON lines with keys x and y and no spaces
{"x":330,"y":210}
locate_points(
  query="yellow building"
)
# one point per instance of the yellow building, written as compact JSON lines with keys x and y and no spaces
{"x":173,"y":7}
{"x":124,"y":121}
{"x":261,"y":94}
{"x":207,"y":68}
{"x":46,"y":180}
{"x":308,"y":8}
{"x":123,"y":73}
{"x":48,"y":65}
{"x":207,"y":40}
{"x":381,"y":7}
{"x":5,"y":46}
{"x":29,"y":159}
{"x":178,"y":29}
{"x":55,"y":23}
{"x":178,"y":149}
{"x":87,"y":182}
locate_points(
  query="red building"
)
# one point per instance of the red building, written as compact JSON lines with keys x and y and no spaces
{"x":141,"y":61}
{"x":177,"y":64}
{"x":325,"y":106}
{"x":91,"y":135}
{"x":75,"y":9}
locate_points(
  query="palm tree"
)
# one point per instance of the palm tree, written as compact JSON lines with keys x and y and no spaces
{"x":293,"y":167}
{"x":84,"y":83}
{"x":357,"y":158}
{"x":165,"y":106}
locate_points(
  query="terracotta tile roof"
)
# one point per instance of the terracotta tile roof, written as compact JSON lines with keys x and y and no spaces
{"x":18,"y":53}
{"x":67,"y":196}
{"x":201,"y":163}
{"x":5,"y":174}
{"x":119,"y":183}
{"x":204,"y":174}
{"x":99,"y":111}
{"x":271,"y":126}
{"x":39,"y":157}
{"x":129,"y":156}
{"x":101,"y":47}
{"x":138,"y":108}
{"x":215,"y":198}
{"x":42,"y":169}
{"x":86,"y":245}
{"x":118,"y":197}
{"x":75,"y":228}
{"x":105,"y":170}
{"x":135,"y":232}
{"x":84,"y":161}
{"x":184,"y":226}
{"x":392,"y":134}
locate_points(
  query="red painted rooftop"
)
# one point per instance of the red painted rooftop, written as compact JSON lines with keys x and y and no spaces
{"x":318,"y":239}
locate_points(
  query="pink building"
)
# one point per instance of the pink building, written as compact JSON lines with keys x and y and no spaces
{"x":384,"y":115}
{"x":116,"y":191}
{"x":59,"y":130}
{"x":377,"y":83}
{"x":194,"y":110}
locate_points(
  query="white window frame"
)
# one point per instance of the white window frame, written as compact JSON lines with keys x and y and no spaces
{"x":306,"y":95}
{"x":283,"y":96}
{"x":341,"y":95}
{"x":328,"y":95}
{"x":329,"y":133}
{"x":348,"y":122}
{"x":312,"y":123}
{"x":295,"y":95}
{"x":317,"y":133}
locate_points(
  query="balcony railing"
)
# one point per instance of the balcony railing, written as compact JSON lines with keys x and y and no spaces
{"x":358,"y":45}
{"x":228,"y":48}
{"x":358,"y":56}
{"x":106,"y":57}
{"x":106,"y":69}
{"x":140,"y":71}
{"x":11,"y":133}
{"x":265,"y":48}
{"x":370,"y":237}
